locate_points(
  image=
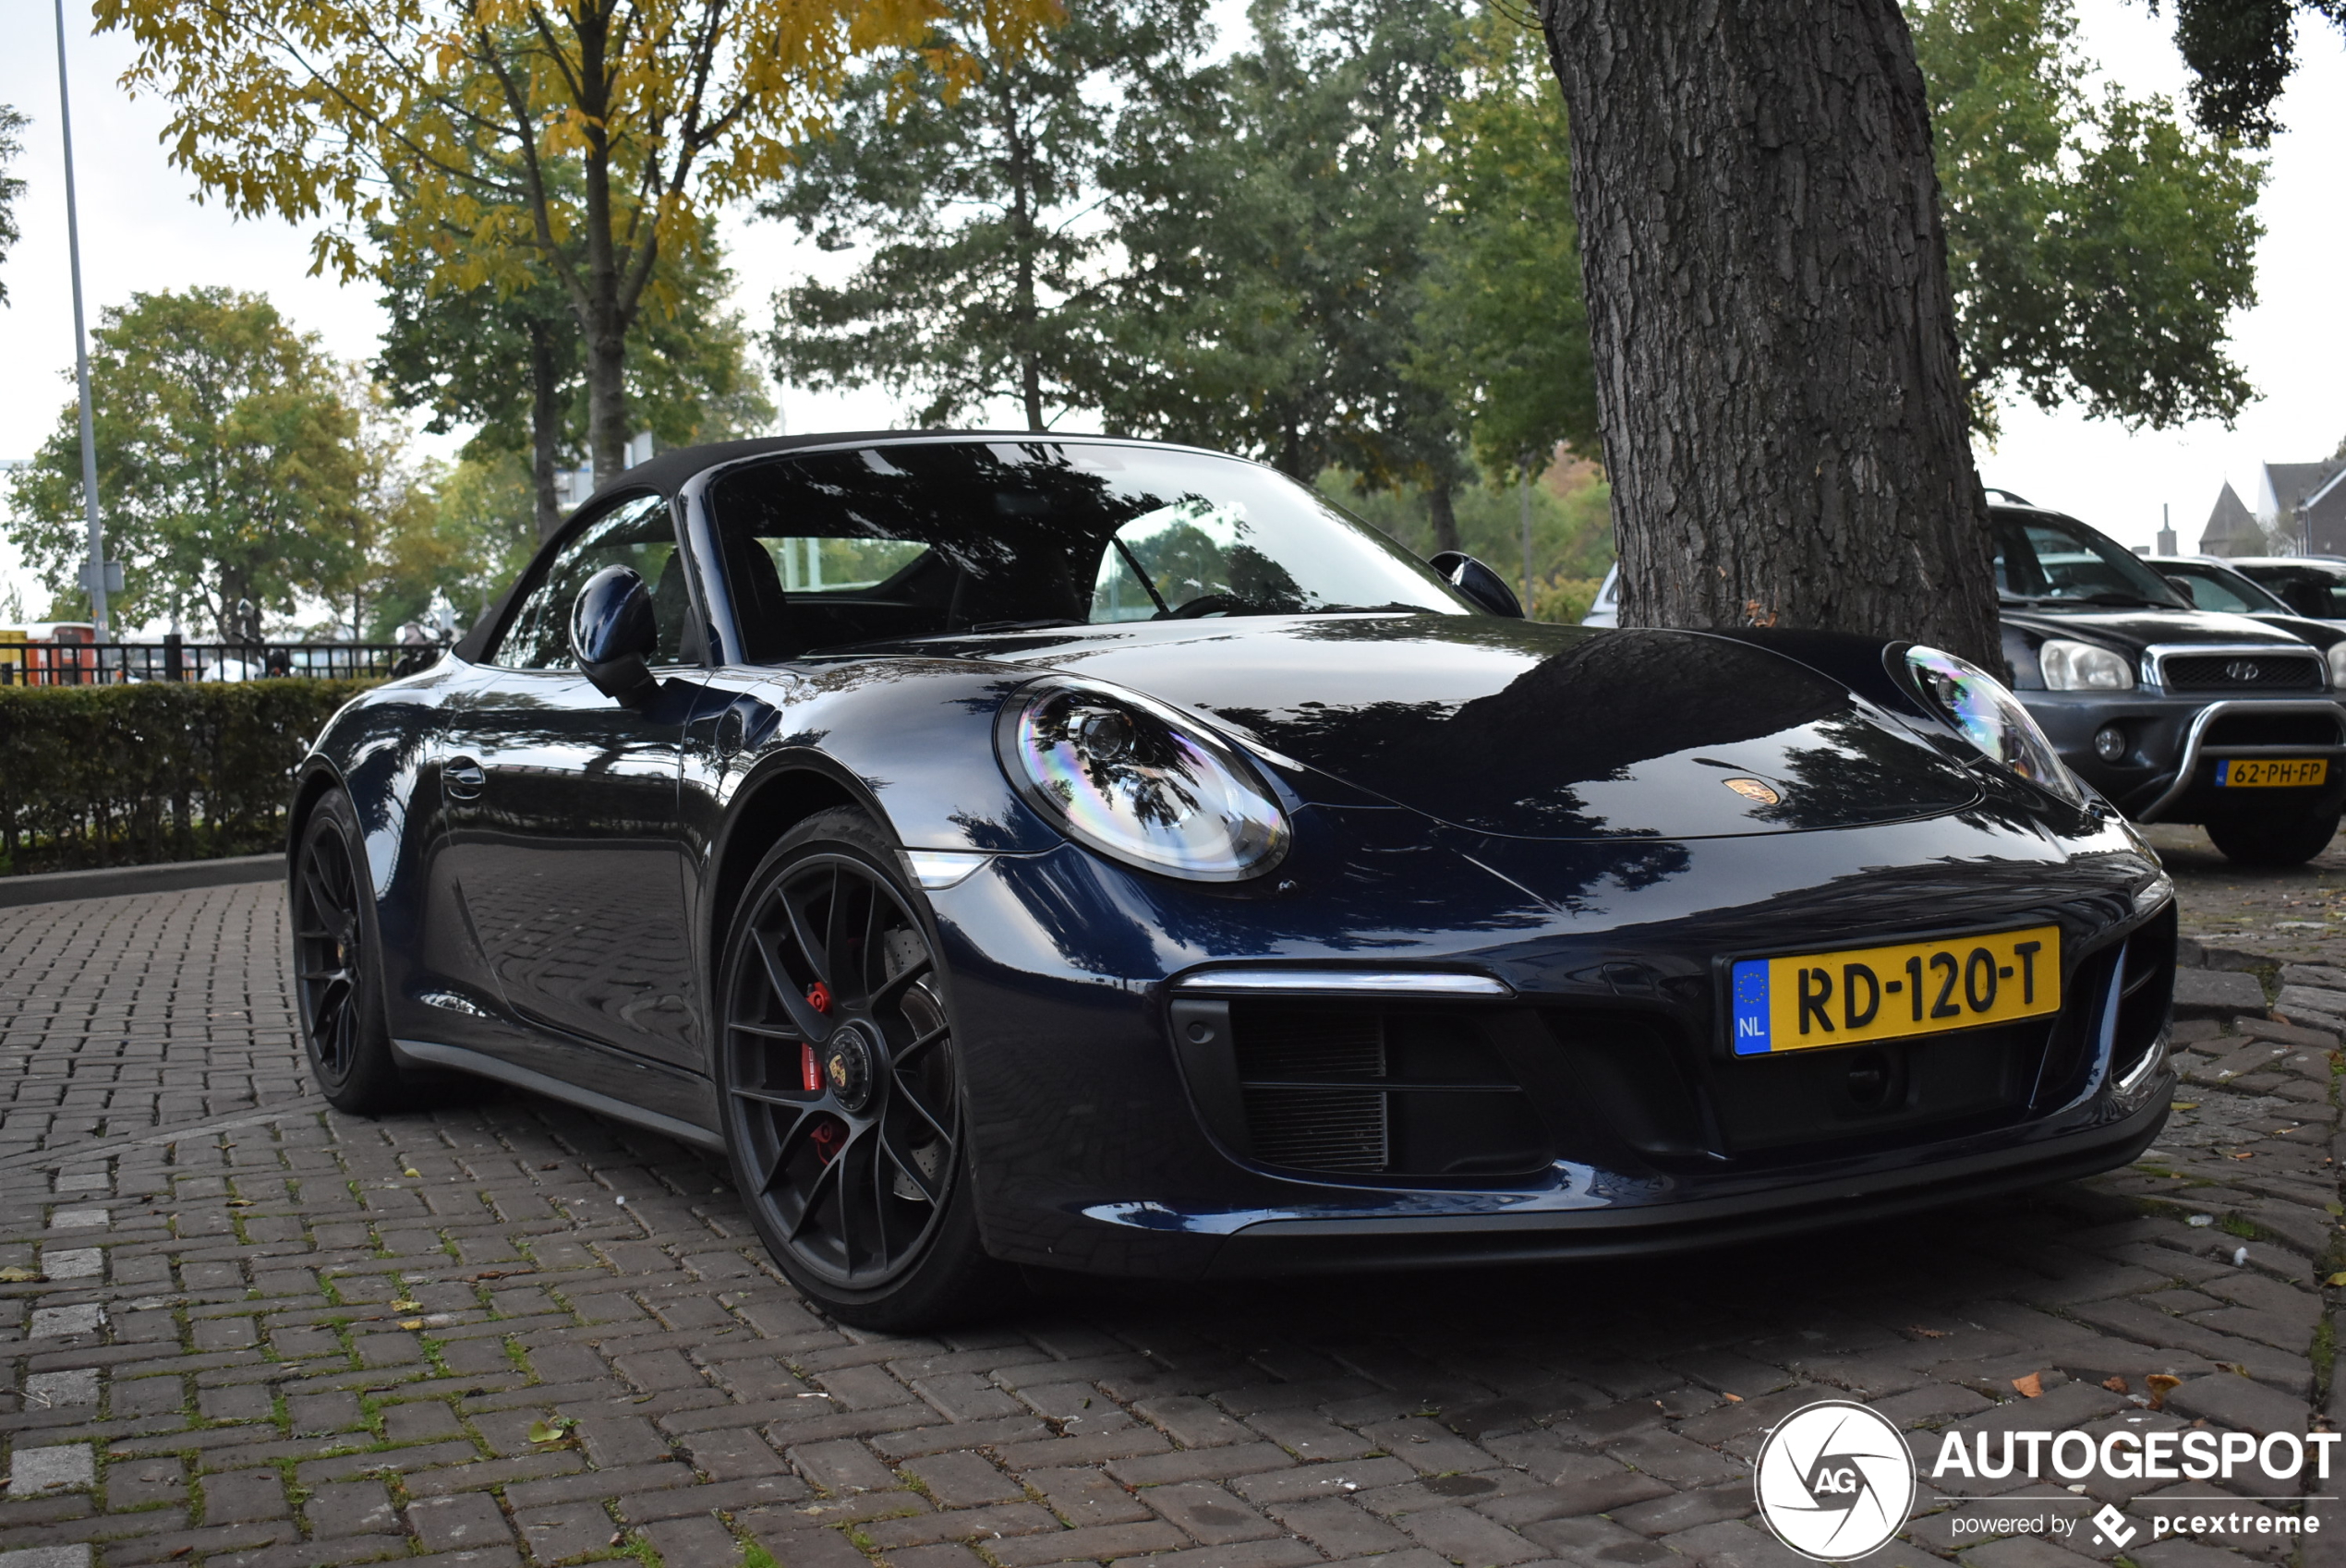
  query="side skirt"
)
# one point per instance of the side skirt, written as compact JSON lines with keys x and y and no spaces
{"x":677,"y":1086}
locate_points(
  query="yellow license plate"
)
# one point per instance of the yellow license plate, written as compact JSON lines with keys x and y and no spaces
{"x":2266,"y":773}
{"x":1812,"y":1000}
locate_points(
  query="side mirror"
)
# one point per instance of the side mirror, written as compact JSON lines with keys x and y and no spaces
{"x":1477,"y":583}
{"x":614,"y":635}
{"x":2183,"y":586}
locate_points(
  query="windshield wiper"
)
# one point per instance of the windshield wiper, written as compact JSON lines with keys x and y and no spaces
{"x":1026,"y":625}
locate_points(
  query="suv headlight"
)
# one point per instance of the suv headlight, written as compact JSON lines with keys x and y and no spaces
{"x":2083,"y":666}
{"x":1991,"y":719}
{"x":2335,"y":656}
{"x":1137,"y":781}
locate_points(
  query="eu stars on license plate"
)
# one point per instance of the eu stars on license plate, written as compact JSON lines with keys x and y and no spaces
{"x":1808,"y":1001}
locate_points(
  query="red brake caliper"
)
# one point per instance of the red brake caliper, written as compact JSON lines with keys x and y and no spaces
{"x":827,"y":1135}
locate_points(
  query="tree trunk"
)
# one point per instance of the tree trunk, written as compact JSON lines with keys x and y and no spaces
{"x":1445,"y":520}
{"x":602,"y":313}
{"x":1767,"y":292}
{"x":545,"y":426}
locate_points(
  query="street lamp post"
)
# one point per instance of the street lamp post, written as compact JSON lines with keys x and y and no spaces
{"x":95,"y":574}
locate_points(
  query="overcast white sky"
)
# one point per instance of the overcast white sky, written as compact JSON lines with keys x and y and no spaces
{"x":142,"y":230}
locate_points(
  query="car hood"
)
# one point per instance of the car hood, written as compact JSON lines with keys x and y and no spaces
{"x":2134,"y":630}
{"x":1523,"y":729}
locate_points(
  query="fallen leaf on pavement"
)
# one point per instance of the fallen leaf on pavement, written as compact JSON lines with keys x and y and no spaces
{"x":2030,"y":1387}
{"x":2114,"y":1383}
{"x":2160,"y":1384}
{"x":1927,"y":1333}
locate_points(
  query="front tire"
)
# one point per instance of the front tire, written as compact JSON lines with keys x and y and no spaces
{"x":337,"y":970}
{"x":841,"y":1084}
{"x":2289,"y":841}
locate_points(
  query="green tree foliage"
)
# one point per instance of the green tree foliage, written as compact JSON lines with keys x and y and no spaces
{"x":509,"y":361}
{"x":2241,"y":53}
{"x":2097,"y":247}
{"x":1503,"y":332}
{"x":519,"y":141}
{"x":978,"y":205}
{"x":229,"y":457}
{"x":1275,"y":226}
{"x":467,"y":531}
{"x":11,"y":127}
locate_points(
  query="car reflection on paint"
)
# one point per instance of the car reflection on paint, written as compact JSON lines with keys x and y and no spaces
{"x":1091,"y":854}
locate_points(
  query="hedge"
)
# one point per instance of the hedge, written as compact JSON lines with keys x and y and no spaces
{"x":93,"y":776}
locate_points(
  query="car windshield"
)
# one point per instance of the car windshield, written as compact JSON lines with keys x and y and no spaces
{"x":2318,"y":592}
{"x":920,"y":538}
{"x":2045,"y":560}
{"x":2213,"y":587}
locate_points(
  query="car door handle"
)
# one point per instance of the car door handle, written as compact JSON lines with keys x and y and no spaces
{"x":462,"y":779}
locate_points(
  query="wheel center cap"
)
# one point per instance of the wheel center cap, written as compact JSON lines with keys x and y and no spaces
{"x":847,"y":1062}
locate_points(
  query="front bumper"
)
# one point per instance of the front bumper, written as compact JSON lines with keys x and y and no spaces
{"x":2168,"y":772}
{"x":1106,"y":1142}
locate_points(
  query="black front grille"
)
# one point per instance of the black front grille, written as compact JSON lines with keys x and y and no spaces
{"x":2272,"y":729}
{"x":1396,"y":1091}
{"x":2262,"y":671}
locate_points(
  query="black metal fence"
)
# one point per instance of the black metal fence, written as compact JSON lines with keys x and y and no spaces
{"x":173,"y":658}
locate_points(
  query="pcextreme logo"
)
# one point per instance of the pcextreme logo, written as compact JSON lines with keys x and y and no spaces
{"x":1836,"y":1481}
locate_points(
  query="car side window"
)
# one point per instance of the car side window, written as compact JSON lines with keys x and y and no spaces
{"x":636,"y":533}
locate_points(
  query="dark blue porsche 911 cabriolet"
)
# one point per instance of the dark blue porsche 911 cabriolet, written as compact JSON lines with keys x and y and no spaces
{"x":1101,"y":855}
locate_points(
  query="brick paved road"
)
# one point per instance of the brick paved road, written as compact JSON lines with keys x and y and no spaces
{"x":235,"y":1328}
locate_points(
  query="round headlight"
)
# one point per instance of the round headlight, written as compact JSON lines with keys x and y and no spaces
{"x":2335,"y":655}
{"x":1991,"y":719}
{"x":2083,"y":666}
{"x":1136,"y":780}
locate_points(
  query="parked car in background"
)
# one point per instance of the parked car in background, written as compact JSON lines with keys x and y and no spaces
{"x":2311,"y":586}
{"x":2174,"y":713}
{"x":2209,"y":583}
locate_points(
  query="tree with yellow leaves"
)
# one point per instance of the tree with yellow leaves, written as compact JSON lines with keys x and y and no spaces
{"x":508,"y":141}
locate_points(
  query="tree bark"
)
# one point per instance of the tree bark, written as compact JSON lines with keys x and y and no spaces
{"x":604,"y":311}
{"x":1446,"y":519}
{"x":1765,"y":272}
{"x":545,"y":426}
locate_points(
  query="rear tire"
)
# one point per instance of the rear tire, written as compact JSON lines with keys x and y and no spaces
{"x":862,"y":1187}
{"x":2285,"y":842}
{"x":337,"y":967}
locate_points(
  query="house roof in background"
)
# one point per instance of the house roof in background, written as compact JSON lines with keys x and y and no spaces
{"x":2228,"y":522}
{"x":2291,"y":483}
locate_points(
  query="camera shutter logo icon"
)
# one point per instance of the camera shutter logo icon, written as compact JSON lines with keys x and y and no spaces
{"x":1835,"y":1481}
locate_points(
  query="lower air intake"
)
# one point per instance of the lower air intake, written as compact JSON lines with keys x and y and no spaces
{"x":1318,"y":1130}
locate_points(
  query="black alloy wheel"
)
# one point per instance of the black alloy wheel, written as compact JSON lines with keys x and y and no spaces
{"x":336,"y":981}
{"x":841,"y":1081}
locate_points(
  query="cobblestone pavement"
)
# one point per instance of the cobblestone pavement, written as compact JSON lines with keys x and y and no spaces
{"x":237,"y":1328}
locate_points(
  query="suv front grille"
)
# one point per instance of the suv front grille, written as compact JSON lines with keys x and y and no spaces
{"x":2240,"y":672}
